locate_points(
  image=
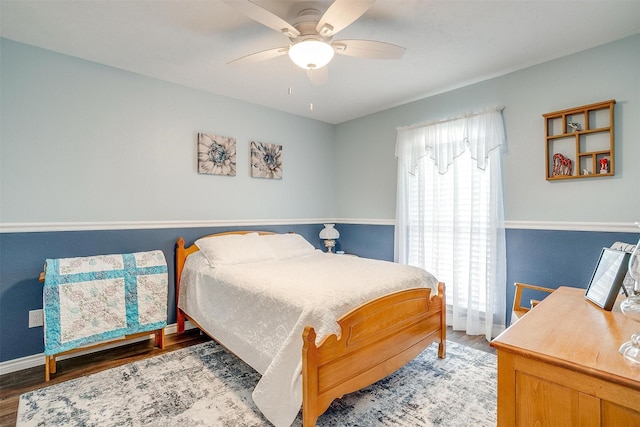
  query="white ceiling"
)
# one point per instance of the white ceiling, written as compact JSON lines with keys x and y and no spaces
{"x":449,"y":44}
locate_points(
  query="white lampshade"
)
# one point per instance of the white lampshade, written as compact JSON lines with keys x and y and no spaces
{"x":328,"y":232}
{"x":311,"y":54}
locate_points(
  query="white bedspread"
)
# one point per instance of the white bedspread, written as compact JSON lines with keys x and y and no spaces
{"x":259,"y":311}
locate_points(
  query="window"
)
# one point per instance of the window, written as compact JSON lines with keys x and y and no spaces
{"x":449,"y":214}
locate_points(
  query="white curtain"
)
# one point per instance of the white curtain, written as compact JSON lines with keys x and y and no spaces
{"x":449,"y":214}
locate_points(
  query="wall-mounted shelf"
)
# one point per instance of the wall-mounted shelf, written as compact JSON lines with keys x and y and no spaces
{"x":584,"y":136}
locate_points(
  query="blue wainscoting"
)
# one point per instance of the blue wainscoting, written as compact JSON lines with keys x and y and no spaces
{"x":23,"y":256}
{"x":543,"y":257}
{"x":369,"y":241}
{"x":553,"y":258}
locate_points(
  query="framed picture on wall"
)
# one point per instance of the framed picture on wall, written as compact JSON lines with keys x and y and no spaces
{"x":266,"y":160}
{"x":607,"y":278}
{"x":216,"y":154}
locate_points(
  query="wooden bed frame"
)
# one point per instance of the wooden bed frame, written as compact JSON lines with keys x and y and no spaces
{"x":377,"y":339}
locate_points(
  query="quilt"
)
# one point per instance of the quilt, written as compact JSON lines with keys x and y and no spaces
{"x":259,"y":310}
{"x":92,"y":299}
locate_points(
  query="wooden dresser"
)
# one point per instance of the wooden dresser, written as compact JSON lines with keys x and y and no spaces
{"x":559,"y":366}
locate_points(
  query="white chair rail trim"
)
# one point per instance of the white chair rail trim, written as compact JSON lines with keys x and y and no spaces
{"x":28,"y":227}
{"x":622,"y":227}
{"x":32,"y":227}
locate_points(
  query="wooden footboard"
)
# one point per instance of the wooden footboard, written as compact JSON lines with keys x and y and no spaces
{"x":377,"y":339}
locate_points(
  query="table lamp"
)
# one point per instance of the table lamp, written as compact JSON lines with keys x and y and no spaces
{"x":329,"y":235}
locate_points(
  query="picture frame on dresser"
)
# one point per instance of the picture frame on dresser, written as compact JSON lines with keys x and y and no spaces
{"x":607,"y":278}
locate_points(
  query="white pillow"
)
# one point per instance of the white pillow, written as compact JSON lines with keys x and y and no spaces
{"x":235,"y":249}
{"x":287,"y":246}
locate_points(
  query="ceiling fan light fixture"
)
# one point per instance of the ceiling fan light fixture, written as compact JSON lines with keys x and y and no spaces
{"x":311,"y":54}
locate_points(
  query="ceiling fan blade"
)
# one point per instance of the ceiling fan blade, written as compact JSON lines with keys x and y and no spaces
{"x":341,"y":14}
{"x":368,"y":49}
{"x":263,"y":16}
{"x":318,"y":76}
{"x":261,"y":56}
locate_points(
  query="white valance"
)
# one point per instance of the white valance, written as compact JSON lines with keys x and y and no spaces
{"x":444,"y":140}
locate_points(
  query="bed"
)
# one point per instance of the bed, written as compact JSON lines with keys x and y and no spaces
{"x":316,"y":326}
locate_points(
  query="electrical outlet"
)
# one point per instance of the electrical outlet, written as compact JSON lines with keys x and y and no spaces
{"x":36,"y":318}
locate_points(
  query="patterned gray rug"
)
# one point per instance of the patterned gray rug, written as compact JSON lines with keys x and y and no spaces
{"x":204,"y":385}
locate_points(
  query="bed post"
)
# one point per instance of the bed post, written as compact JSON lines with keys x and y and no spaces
{"x":309,"y":378}
{"x":180,"y":258}
{"x":442,"y":350}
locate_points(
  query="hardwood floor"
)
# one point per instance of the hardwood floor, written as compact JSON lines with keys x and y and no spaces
{"x":479,"y":342}
{"x":16,"y":383}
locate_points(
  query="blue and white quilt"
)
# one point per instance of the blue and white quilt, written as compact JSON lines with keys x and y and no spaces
{"x":97,"y":298}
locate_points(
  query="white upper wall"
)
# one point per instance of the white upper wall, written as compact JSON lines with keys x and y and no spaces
{"x":82,"y":142}
{"x":366,"y":165}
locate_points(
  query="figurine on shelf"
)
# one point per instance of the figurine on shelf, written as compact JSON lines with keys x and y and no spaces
{"x":574,"y":125}
{"x":561,"y":165}
{"x":604,"y":165}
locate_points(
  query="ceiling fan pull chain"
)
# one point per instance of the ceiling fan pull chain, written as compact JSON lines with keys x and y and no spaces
{"x":290,"y":79}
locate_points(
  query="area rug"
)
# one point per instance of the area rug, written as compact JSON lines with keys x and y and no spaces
{"x":205,"y":385}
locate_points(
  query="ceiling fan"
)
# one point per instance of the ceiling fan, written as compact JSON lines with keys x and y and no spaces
{"x":311,"y":35}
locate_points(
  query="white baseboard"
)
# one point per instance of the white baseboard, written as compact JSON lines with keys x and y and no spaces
{"x":38,"y":359}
